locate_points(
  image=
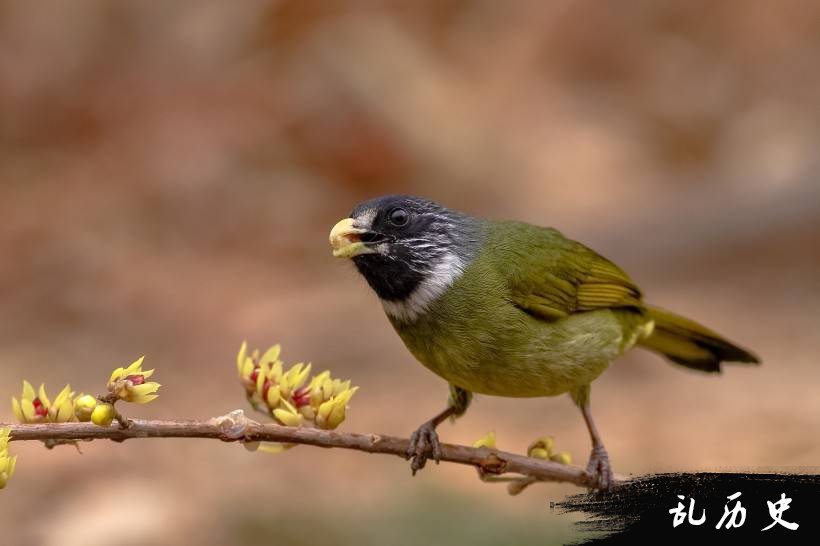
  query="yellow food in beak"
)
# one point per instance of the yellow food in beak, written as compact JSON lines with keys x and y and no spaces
{"x":344,"y":238}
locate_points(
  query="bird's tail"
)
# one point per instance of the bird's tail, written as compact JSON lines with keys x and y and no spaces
{"x":686,"y":342}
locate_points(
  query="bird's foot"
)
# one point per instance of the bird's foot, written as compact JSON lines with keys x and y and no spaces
{"x":600,"y":468}
{"x":424,"y":444}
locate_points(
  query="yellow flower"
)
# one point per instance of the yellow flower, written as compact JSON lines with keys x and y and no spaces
{"x":37,"y":408}
{"x":488,"y":440}
{"x":83,"y":407}
{"x":130,"y":385}
{"x":7,"y":463}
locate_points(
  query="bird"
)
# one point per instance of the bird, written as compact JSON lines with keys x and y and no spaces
{"x":507,"y":308}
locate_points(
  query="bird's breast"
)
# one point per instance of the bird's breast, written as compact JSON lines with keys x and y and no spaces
{"x":483,"y":343}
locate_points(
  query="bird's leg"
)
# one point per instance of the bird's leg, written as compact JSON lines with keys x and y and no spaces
{"x":424,"y":441}
{"x":598,"y":464}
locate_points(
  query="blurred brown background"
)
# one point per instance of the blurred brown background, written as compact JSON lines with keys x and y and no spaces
{"x":169,"y":172}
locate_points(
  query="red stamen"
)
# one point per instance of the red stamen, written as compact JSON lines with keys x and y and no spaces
{"x":39,"y":408}
{"x":255,"y":374}
{"x":301,"y":397}
{"x":136,"y":379}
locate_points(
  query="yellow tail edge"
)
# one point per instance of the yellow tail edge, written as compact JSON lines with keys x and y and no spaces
{"x":685,"y":342}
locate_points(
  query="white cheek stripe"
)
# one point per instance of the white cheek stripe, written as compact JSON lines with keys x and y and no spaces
{"x":447,"y":270}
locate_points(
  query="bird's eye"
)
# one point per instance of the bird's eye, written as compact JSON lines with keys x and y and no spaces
{"x":399,"y":217}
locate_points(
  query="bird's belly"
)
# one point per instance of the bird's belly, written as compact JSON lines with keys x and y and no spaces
{"x":525,"y":357}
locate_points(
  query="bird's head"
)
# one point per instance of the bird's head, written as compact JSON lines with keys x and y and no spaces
{"x":410,"y":250}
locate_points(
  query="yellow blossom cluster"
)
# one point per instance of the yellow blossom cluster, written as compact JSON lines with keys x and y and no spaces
{"x":287,"y":395}
{"x":7,"y":462}
{"x":34,"y":407}
{"x":542,"y":448}
{"x":292,"y":397}
{"x":127,"y":384}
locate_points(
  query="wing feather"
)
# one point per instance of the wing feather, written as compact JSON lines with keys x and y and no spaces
{"x":561,"y":277}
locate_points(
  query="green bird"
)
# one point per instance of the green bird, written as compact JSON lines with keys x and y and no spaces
{"x":506,"y":308}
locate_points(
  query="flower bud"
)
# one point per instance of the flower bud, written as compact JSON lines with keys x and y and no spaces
{"x":563,"y":458}
{"x":539,"y":453}
{"x":83,"y":407}
{"x":103,"y":415}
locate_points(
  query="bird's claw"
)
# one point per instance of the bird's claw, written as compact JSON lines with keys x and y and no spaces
{"x":600,"y":468}
{"x":424,"y":443}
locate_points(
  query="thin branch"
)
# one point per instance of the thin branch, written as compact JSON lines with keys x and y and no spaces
{"x":236,"y":427}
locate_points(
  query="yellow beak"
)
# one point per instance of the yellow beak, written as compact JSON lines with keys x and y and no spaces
{"x":344,"y":238}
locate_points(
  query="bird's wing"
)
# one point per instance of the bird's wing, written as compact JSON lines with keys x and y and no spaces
{"x":559,"y":277}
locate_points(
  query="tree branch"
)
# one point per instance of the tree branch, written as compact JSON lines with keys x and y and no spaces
{"x":236,"y":427}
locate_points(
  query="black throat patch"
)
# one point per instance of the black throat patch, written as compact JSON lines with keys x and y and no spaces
{"x":391,"y":279}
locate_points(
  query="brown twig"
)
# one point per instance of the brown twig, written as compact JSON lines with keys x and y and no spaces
{"x":236,"y":427}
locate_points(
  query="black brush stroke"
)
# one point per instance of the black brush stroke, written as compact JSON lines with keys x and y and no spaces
{"x":639,"y":509}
